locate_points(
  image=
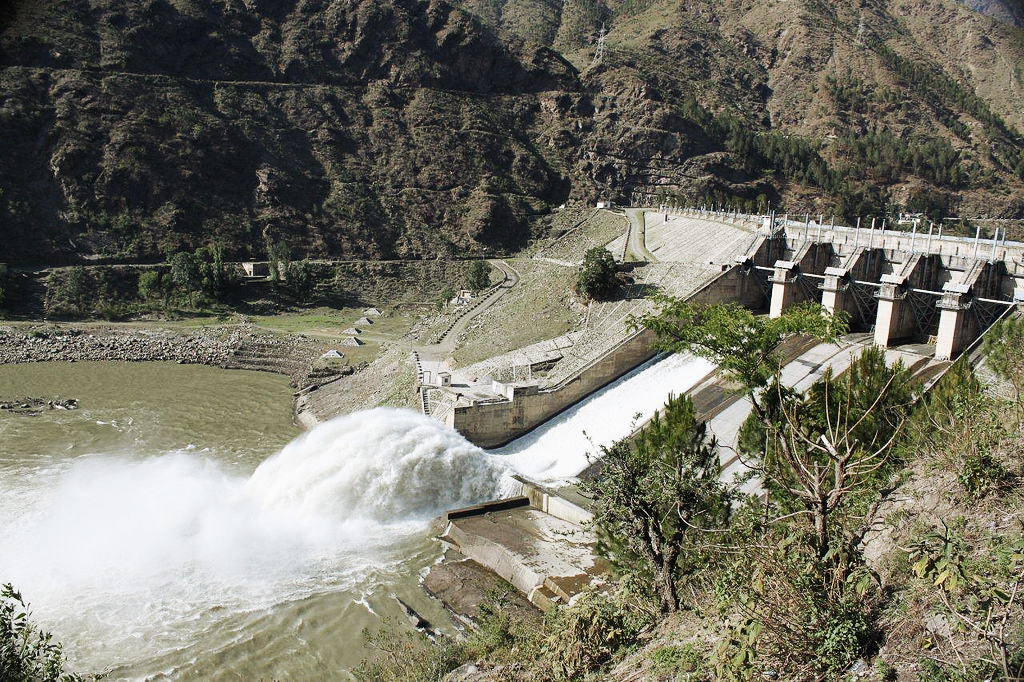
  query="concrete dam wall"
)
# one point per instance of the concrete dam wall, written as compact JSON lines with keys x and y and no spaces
{"x":491,"y":424}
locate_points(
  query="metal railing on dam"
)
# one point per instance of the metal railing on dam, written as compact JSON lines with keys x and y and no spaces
{"x":916,"y":288}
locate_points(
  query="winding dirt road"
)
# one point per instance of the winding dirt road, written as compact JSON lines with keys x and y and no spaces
{"x":636,"y":248}
{"x":439,"y":351}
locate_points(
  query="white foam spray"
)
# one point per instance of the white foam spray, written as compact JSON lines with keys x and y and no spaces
{"x":382,"y":464}
{"x":131,"y":555}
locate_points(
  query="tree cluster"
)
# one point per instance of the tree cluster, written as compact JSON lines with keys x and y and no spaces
{"x":113,"y":292}
{"x":864,"y":162}
{"x":478,"y":277}
{"x":655,"y":494}
{"x":200,"y":273}
{"x":598,"y":276}
{"x":944,"y":94}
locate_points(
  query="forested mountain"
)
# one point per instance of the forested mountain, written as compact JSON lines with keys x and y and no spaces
{"x":417,"y":129}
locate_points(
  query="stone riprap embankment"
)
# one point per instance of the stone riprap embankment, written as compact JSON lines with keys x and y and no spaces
{"x":68,"y":344}
{"x":234,"y":347}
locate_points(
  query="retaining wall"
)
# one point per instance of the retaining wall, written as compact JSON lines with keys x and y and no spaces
{"x":493,"y":424}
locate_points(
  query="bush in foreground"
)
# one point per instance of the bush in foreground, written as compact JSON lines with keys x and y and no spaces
{"x":27,"y":654}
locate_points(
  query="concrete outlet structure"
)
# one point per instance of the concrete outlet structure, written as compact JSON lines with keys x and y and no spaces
{"x":897,"y":286}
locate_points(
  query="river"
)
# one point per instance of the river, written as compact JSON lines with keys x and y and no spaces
{"x":179,"y":525}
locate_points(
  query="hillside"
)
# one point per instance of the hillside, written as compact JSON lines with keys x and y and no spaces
{"x":863,"y":85}
{"x":414,"y":129}
{"x":1005,"y":10}
{"x":135,"y":128}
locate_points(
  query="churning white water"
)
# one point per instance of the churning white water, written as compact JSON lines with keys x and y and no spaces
{"x":190,"y":563}
{"x":135,"y":554}
{"x":559,"y":449}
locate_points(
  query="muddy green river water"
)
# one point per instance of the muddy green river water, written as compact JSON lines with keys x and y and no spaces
{"x":178,"y":525}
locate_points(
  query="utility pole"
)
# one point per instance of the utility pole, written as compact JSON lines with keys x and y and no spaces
{"x":599,"y":52}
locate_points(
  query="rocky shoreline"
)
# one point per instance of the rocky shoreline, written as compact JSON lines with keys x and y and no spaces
{"x":56,"y":343}
{"x":229,"y":347}
{"x":37,"y":405}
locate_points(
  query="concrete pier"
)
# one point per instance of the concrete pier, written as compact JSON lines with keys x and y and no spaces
{"x":797,"y":280}
{"x":898,"y":287}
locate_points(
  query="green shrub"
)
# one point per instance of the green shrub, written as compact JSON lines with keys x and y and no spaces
{"x":1004,"y":347}
{"x":680,"y":660}
{"x":27,"y":654}
{"x":589,"y":633}
{"x":478,"y":277}
{"x":804,"y":617}
{"x":885,"y":672}
{"x":150,"y":284}
{"x":981,"y":473}
{"x":842,"y":637}
{"x":3,"y":284}
{"x":69,"y":292}
{"x":930,"y":670}
{"x":409,"y":655}
{"x":112,"y":312}
{"x":301,"y":279}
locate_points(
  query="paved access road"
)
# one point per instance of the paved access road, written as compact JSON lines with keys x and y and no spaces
{"x":432,"y":356}
{"x":636,"y":249}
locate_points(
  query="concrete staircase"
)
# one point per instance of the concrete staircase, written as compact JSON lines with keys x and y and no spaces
{"x":438,"y":403}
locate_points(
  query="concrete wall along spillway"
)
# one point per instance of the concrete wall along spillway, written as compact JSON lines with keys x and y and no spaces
{"x":494,"y":423}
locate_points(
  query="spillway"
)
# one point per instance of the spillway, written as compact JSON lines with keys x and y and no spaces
{"x":563,"y":446}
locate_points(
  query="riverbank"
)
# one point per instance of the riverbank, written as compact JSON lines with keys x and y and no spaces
{"x":324,"y":388}
{"x":237,"y":346}
{"x":82,"y":342}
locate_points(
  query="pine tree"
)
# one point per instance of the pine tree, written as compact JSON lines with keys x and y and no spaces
{"x":653,"y":496}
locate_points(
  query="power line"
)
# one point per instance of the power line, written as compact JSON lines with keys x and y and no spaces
{"x":599,"y":53}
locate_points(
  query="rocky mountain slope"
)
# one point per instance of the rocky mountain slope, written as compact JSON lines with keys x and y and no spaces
{"x":417,"y":129}
{"x":1011,"y":11}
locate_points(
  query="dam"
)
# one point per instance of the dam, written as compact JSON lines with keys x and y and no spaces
{"x":936,"y":293}
{"x":922,"y":298}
